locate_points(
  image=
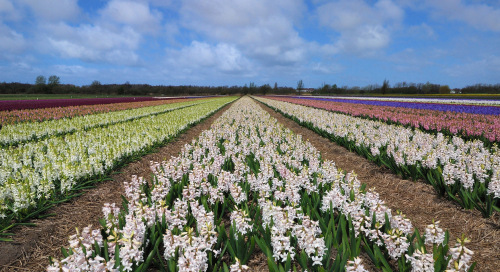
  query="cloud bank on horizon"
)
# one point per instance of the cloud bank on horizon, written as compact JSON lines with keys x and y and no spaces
{"x":234,"y":42}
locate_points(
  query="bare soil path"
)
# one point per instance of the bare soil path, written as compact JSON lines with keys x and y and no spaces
{"x":417,"y":200}
{"x":32,"y":246}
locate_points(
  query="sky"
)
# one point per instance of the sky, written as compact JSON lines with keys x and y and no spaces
{"x":236,"y":42}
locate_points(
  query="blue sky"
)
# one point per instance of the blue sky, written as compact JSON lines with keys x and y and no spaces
{"x":235,"y":42}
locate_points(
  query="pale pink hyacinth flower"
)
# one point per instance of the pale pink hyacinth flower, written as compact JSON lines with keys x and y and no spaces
{"x":238,"y":267}
{"x":421,"y":262}
{"x":460,"y":256}
{"x":434,"y":234}
{"x":355,"y":266}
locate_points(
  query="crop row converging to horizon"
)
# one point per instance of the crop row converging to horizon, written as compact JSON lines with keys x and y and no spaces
{"x":467,"y":171}
{"x":32,"y":173}
{"x":278,"y":194}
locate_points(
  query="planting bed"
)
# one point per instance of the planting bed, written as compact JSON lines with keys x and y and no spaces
{"x":32,"y":246}
{"x":418,"y":201}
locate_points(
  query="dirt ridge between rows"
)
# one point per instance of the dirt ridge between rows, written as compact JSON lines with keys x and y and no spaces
{"x":32,"y":246}
{"x":417,"y":200}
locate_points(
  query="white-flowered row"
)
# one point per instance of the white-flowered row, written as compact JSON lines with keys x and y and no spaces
{"x":466,"y":162}
{"x":29,"y":172}
{"x":258,"y":148}
{"x":28,"y":131}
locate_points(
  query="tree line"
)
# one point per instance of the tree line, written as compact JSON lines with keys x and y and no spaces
{"x":406,"y":88}
{"x":52,"y":85}
{"x":42,"y":86}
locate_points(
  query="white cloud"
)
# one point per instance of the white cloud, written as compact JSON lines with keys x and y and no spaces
{"x":54,"y":10}
{"x":422,"y":31}
{"x":10,"y":41}
{"x":411,"y":60}
{"x":364,"y":39}
{"x":480,"y":16}
{"x":94,"y":43}
{"x":8,"y":11}
{"x":323,"y":68}
{"x":222,"y":57}
{"x":171,"y":31}
{"x":69,"y":70}
{"x":261,"y":29}
{"x":134,"y":14}
{"x":486,"y":69}
{"x":6,"y":6}
{"x":362,"y":27}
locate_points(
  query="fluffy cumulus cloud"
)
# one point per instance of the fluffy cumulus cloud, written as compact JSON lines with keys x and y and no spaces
{"x":262,"y":30}
{"x":114,"y":36}
{"x":362,"y":27}
{"x":135,"y":14}
{"x":237,"y":41}
{"x":11,"y":41}
{"x":479,"y":15}
{"x":93,"y":43}
{"x":8,"y":12}
{"x":218,"y":58}
{"x":53,"y":10}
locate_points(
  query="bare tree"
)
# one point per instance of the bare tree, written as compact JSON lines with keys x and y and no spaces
{"x":40,"y":80}
{"x":54,"y":80}
{"x":385,"y":86}
{"x":300,"y":86}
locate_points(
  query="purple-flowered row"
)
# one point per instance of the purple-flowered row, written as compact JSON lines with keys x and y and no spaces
{"x":460,"y":124}
{"x":461,"y":108}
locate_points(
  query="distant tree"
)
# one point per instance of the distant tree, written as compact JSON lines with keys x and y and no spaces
{"x":385,"y":86}
{"x":95,"y":83}
{"x":54,"y":80}
{"x":444,"y":89}
{"x":244,"y":90}
{"x":40,"y":80}
{"x":264,"y":89}
{"x":275,"y":86}
{"x":300,"y":86}
{"x":325,"y":88}
{"x":252,"y":88}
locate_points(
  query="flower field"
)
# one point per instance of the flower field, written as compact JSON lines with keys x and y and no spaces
{"x":249,"y":186}
{"x":467,"y":172}
{"x":32,"y":174}
{"x":432,"y":117}
{"x":24,"y":132}
{"x":463,"y":106}
{"x":8,"y":105}
{"x":10,"y":117}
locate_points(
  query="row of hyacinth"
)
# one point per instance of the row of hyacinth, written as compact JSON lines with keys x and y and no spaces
{"x":36,"y":171}
{"x":24,"y":132}
{"x":468,"y":125}
{"x":465,"y":171}
{"x":246,"y":182}
{"x":8,"y":105}
{"x":421,"y":105}
{"x":460,"y":101}
{"x":43,"y":114}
